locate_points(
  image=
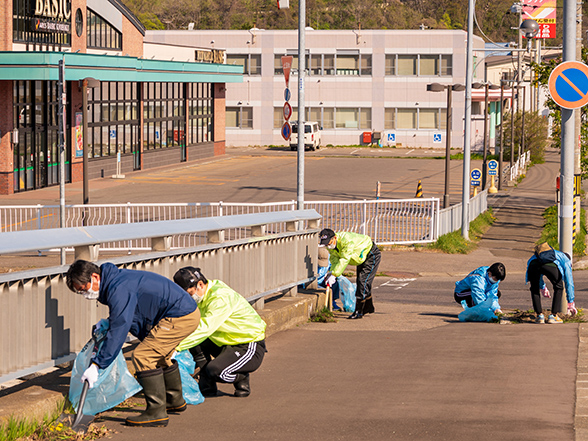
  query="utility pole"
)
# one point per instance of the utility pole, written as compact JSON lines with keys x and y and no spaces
{"x":61,"y":142}
{"x":578,"y":119}
{"x":301,"y":111}
{"x":465,"y":195}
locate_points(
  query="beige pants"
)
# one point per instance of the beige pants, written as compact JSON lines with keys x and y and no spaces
{"x":157,"y":348}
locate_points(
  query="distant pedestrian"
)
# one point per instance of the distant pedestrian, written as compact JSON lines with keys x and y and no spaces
{"x":153,"y":309}
{"x":356,"y":249}
{"x":557,"y":267}
{"x":480,"y":284}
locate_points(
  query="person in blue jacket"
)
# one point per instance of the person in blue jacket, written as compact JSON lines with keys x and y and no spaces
{"x":480,"y":284}
{"x":156,"y":311}
{"x":557,"y":267}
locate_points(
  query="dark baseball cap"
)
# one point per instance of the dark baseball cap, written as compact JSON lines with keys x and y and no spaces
{"x":325,"y":237}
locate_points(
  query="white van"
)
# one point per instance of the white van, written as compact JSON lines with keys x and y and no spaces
{"x":312,"y":136}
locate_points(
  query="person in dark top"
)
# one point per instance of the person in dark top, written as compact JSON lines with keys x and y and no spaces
{"x":156,"y":311}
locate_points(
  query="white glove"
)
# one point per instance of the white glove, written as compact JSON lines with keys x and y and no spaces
{"x":498,"y":311}
{"x":91,"y":375}
{"x":572,"y":308}
{"x":331,"y":280}
{"x":545,"y":292}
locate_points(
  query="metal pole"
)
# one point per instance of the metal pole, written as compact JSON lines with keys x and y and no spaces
{"x":522,"y":146}
{"x":86,"y":193}
{"x":568,"y":138}
{"x":512,"y":112}
{"x":465,"y":195}
{"x":446,"y":197}
{"x":61,"y":137}
{"x":301,"y":118}
{"x":484,"y":164}
{"x":501,"y":135}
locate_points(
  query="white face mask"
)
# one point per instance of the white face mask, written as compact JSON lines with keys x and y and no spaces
{"x":90,"y":294}
{"x":331,"y":246}
{"x":197,"y":298}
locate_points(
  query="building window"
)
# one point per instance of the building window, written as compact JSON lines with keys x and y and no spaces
{"x":407,"y":119}
{"x":113,"y":119}
{"x":200,"y":113}
{"x":39,"y":29}
{"x":163,"y":115}
{"x":251,"y":62}
{"x":100,"y":34}
{"x":343,"y":63}
{"x":353,"y":118}
{"x":239,"y":118}
{"x":422,"y":65}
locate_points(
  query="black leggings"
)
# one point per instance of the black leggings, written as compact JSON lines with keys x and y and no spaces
{"x":223,"y":363}
{"x":549,"y":270}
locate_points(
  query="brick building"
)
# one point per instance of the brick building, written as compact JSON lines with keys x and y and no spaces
{"x":141,"y":111}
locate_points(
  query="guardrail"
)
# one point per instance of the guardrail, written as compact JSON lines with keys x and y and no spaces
{"x":520,"y":165}
{"x":388,"y":221}
{"x":43,"y":324}
{"x":450,"y":219}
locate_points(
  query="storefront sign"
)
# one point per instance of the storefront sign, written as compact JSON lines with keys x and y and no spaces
{"x":212,"y":56}
{"x":59,"y":9}
{"x":51,"y":26}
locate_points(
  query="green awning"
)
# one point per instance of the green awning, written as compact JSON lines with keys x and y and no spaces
{"x":44,"y":66}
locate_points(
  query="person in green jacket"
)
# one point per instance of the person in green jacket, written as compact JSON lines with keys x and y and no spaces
{"x":356,"y":249}
{"x":230,"y":337}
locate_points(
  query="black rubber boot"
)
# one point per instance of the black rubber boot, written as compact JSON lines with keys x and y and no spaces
{"x":359,"y":304}
{"x":368,"y":307}
{"x":154,"y":391}
{"x":207,"y":384}
{"x":173,"y":388}
{"x":242,"y":388}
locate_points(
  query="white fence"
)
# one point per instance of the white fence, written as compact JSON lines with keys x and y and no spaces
{"x":520,"y":165}
{"x":387,"y":221}
{"x":450,"y":219}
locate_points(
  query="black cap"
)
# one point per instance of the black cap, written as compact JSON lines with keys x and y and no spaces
{"x":325,"y":237}
{"x":187,"y":277}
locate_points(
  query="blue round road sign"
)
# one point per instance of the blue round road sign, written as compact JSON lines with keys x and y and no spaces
{"x":492,"y":164}
{"x":286,"y":131}
{"x":568,"y":85}
{"x":287,"y":94}
{"x":476,"y":174}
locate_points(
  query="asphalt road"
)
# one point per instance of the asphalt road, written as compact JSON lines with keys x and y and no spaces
{"x":270,"y":175}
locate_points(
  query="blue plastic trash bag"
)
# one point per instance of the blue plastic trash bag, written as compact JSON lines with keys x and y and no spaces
{"x":347,"y":293}
{"x":190,"y":388}
{"x":115,"y":383}
{"x":482,"y":312}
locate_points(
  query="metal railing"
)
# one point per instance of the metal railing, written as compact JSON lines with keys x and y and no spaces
{"x":388,"y":221}
{"x":43,"y":324}
{"x":520,"y":165}
{"x":450,"y":219}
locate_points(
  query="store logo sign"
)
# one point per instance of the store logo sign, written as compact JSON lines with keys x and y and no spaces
{"x":212,"y":56}
{"x":56,"y":9}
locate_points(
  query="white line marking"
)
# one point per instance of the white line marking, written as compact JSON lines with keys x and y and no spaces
{"x":409,"y":151}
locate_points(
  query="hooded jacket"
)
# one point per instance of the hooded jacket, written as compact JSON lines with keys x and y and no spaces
{"x":226,"y":318}
{"x":479,"y":283}
{"x":564,"y":265}
{"x":137,"y":301}
{"x":351,"y":248}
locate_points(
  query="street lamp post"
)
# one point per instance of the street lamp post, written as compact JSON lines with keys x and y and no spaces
{"x":436,"y":87}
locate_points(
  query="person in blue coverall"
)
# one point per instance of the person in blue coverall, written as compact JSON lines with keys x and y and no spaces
{"x":480,"y":284}
{"x":156,"y":311}
{"x":557,"y":267}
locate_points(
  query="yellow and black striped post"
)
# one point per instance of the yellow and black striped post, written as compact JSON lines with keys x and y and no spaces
{"x":419,"y":192}
{"x":576,"y":214}
{"x":575,"y":220}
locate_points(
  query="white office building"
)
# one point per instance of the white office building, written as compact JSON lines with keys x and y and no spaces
{"x":357,"y":81}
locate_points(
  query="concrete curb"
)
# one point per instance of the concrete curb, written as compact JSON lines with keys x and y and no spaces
{"x":581,"y":413}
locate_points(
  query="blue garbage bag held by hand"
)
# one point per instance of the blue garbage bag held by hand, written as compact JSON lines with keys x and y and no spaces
{"x":482,"y":312}
{"x":347,"y":293}
{"x":115,"y":383}
{"x":190,"y":388}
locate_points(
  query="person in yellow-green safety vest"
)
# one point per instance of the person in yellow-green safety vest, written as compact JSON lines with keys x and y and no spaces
{"x":229,"y":342}
{"x":356,"y":249}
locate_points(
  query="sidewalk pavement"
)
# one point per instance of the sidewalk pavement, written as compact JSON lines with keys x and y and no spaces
{"x":518,"y":226}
